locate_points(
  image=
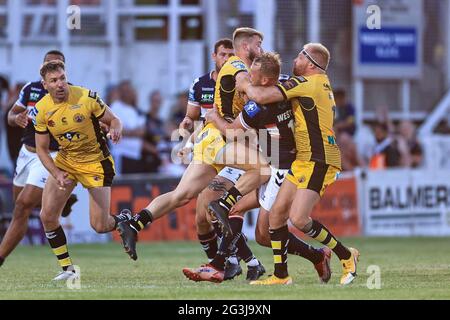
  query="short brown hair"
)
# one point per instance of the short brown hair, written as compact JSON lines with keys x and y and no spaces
{"x":245,"y":33}
{"x":225,"y":42}
{"x":51,"y":66}
{"x":270,"y":64}
{"x":320,"y":53}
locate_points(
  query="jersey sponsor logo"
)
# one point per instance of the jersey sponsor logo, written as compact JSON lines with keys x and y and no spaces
{"x":331,"y":140}
{"x":64,"y":121}
{"x":92,"y":94}
{"x":207,"y":89}
{"x":51,"y":123}
{"x":252,"y":109}
{"x":327,"y":87}
{"x":285,"y":116}
{"x":289,"y":84}
{"x":239,"y":65}
{"x":208,"y":97}
{"x":74,"y":107}
{"x":34,"y":96}
{"x":78,"y":118}
{"x":36,"y":89}
{"x":301,"y":79}
{"x":72,"y":136}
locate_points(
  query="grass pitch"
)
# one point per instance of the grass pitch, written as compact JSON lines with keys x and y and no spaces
{"x":411,"y":268}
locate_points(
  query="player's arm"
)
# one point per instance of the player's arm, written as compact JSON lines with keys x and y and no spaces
{"x":192,"y":109}
{"x":192,"y":114}
{"x":43,"y":152}
{"x":259,"y":94}
{"x":225,"y":127}
{"x":18,"y":116}
{"x":114,"y":123}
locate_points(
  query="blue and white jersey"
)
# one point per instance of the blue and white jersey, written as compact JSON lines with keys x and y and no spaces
{"x":201,"y":93}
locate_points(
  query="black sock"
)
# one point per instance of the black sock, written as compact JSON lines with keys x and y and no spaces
{"x":58,"y":242}
{"x":280,"y":242}
{"x":217,"y":229}
{"x":230,"y":198}
{"x":141,"y":219}
{"x":300,"y":248}
{"x":1,"y":261}
{"x":209,"y":243}
{"x":243,"y":250}
{"x":228,"y":244}
{"x":318,"y":232}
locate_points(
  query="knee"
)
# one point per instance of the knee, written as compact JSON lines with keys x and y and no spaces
{"x":300,"y":222}
{"x":22,"y":209}
{"x":47,"y":219}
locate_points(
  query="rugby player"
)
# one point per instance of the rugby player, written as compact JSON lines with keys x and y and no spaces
{"x":29,"y":175}
{"x":72,"y":115}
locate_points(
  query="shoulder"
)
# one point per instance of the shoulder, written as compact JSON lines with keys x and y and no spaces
{"x":237,"y":63}
{"x":45,"y":102}
{"x":293,"y":82}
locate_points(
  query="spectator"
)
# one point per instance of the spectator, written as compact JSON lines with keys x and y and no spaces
{"x":345,"y":114}
{"x":386,"y":153}
{"x":407,"y":134}
{"x":349,"y":153}
{"x":154,"y":133}
{"x":127,"y":154}
{"x":178,"y":111}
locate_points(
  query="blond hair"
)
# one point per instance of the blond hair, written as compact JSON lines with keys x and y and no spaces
{"x":51,"y":66}
{"x":319,"y":53}
{"x":270,"y":64}
{"x":245,"y":33}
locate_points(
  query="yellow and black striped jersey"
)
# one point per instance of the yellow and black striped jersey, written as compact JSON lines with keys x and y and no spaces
{"x":75,"y":125}
{"x":314,"y":109}
{"x":229,"y":102}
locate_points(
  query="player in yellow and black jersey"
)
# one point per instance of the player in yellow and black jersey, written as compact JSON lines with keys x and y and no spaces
{"x":318,"y":160}
{"x":72,"y":115}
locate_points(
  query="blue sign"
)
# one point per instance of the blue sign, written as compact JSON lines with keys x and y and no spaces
{"x":389,"y":45}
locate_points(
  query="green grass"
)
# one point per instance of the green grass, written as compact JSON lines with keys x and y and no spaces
{"x":411,"y":268}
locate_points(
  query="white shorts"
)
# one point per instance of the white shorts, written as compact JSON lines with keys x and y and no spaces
{"x":268,"y":192}
{"x":30,"y":170}
{"x":231,"y":174}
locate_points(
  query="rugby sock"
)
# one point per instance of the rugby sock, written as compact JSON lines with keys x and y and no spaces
{"x":299,"y":248}
{"x":230,"y":198}
{"x":228,"y":243}
{"x":217,"y":229}
{"x":1,"y":261}
{"x":141,"y":219}
{"x":280,"y":242}
{"x":318,"y":232}
{"x":209,"y":243}
{"x":243,"y":250}
{"x":58,"y":242}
